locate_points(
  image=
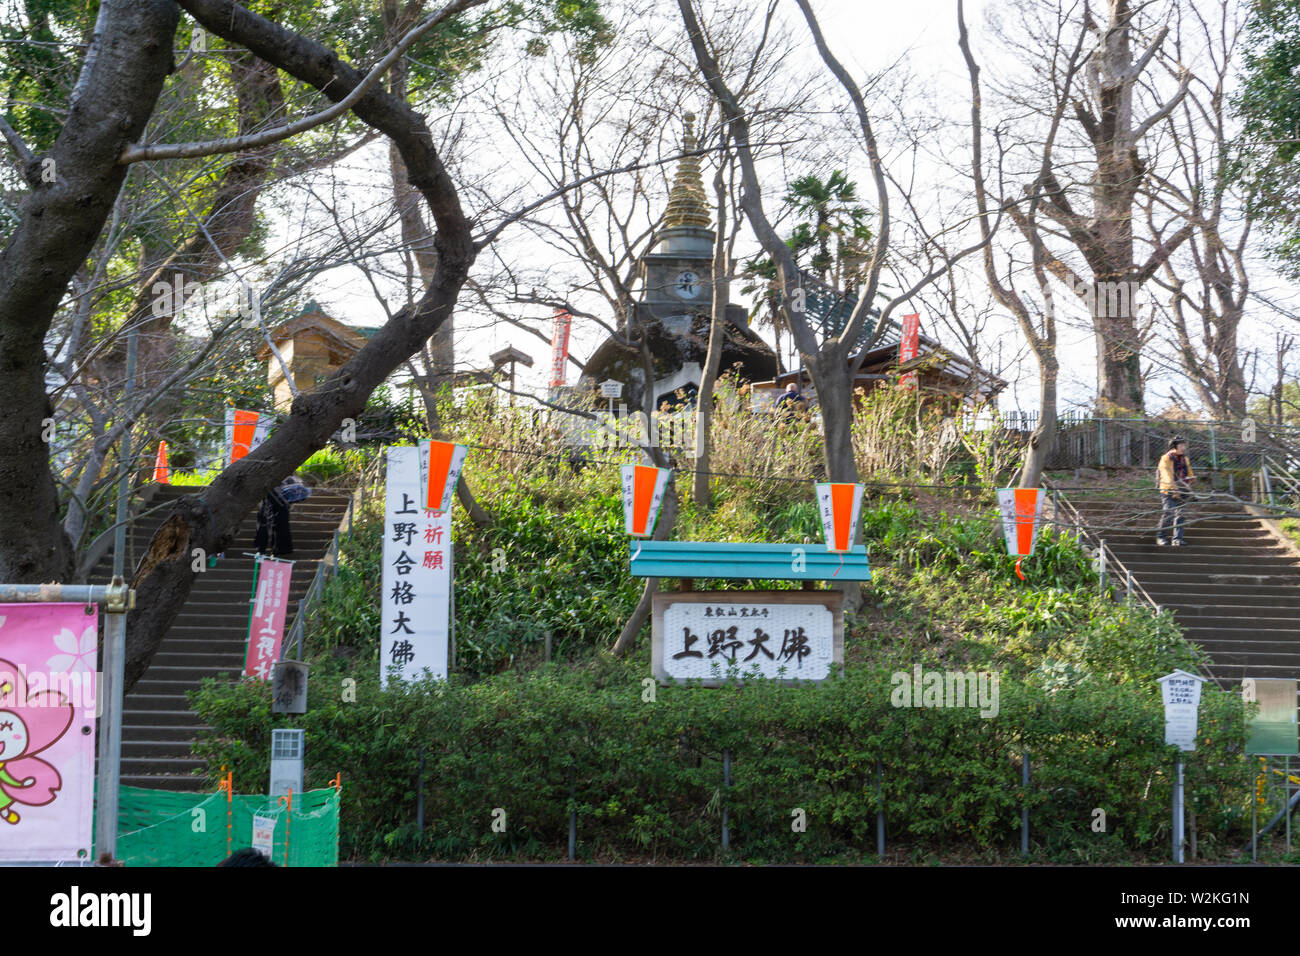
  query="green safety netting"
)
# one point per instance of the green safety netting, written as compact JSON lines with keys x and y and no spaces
{"x":166,"y":828}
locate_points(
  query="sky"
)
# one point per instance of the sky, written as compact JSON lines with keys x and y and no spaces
{"x":868,"y":35}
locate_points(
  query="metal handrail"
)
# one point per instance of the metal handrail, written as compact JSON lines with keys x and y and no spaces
{"x":329,"y":561}
{"x":1106,"y":556}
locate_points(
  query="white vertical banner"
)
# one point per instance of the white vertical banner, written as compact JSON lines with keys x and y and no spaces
{"x":416,"y":600}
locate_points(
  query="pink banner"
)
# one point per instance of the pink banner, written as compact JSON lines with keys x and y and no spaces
{"x":909,"y":346}
{"x":266,"y":626}
{"x":560,"y":347}
{"x":48,"y":707}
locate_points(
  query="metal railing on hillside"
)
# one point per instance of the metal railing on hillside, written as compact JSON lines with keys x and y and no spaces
{"x":1108,"y":563}
{"x":329,"y":562}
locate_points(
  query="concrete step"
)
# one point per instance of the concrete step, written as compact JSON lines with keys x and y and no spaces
{"x":200,"y":659}
{"x":182,"y":782}
{"x":169,"y":765}
{"x":1248,"y":599}
{"x":1215,"y":635}
{"x":1217,"y":647}
{"x":167,"y":734}
{"x":1246,"y":623}
{"x":1189,"y":558}
{"x":145,"y":749}
{"x":1213,"y":574}
{"x":160,"y":716}
{"x":168,"y":702}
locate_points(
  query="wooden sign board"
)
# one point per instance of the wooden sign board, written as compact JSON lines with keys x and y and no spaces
{"x":725,"y":637}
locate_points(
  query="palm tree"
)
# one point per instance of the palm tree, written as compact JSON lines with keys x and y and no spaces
{"x":830,"y":209}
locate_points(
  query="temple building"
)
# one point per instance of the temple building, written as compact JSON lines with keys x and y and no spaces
{"x":675,"y":308}
{"x":313,"y":346}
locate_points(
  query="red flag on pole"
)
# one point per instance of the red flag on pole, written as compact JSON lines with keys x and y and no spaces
{"x":560,"y":347}
{"x":909,"y":347}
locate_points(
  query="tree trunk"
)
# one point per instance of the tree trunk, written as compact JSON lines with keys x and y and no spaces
{"x":717,"y":334}
{"x":632,"y":629}
{"x":58,"y":226}
{"x":1044,"y":436}
{"x":211,"y":521}
{"x":830,"y":372}
{"x":831,"y":376}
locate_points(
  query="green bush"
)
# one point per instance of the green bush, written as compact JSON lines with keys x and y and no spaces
{"x":646,"y":776}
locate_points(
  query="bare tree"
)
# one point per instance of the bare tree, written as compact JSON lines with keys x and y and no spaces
{"x":1207,"y":281}
{"x":1086,"y":188}
{"x":827,"y":361}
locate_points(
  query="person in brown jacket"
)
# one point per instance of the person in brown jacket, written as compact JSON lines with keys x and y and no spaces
{"x":1175,"y":483}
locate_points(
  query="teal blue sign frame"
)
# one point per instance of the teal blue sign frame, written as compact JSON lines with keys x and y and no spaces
{"x":776,"y":562}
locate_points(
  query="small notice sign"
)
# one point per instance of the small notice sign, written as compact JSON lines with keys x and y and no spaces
{"x":263,"y":834}
{"x":1181,"y":693}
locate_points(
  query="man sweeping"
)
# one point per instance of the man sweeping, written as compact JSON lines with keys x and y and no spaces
{"x":1175,"y":480}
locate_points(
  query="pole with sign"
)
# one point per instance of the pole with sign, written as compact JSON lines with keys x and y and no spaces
{"x":1181,"y":693}
{"x":612,"y":390}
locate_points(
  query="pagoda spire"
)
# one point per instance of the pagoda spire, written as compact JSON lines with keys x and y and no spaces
{"x":687,"y":202}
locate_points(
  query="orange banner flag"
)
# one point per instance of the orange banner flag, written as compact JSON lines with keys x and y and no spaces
{"x":161,"y":473}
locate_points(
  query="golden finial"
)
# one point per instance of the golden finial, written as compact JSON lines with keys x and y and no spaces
{"x":687,"y":202}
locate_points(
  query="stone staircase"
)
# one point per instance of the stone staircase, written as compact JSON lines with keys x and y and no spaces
{"x":1234,"y":586}
{"x":208,"y":637}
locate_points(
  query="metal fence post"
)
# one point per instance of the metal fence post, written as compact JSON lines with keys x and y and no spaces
{"x":1128,"y":586}
{"x":1214,"y":452}
{"x":573,"y":819}
{"x":1178,"y":810}
{"x":880,"y":813}
{"x":1024,"y":809}
{"x":419,"y":799}
{"x":1101,"y":555}
{"x":726,"y":783}
{"x":1101,"y":441}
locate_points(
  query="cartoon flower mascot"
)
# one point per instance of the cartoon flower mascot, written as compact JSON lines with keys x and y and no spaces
{"x":28,"y":725}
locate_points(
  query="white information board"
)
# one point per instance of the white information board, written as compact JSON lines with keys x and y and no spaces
{"x":1181,"y":693}
{"x":415,"y":603}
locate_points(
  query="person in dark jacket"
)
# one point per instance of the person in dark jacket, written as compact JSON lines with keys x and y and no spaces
{"x":273,"y":533}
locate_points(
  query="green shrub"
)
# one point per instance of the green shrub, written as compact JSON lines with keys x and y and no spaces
{"x":646,"y":776}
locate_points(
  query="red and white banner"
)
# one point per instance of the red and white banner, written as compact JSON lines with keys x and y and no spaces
{"x":440,"y":464}
{"x":270,"y":608}
{"x":560,"y":347}
{"x":415,"y":600}
{"x":244,"y":432}
{"x":48,"y":706}
{"x":909,"y":347}
{"x":161,"y":473}
{"x":840,"y":505}
{"x":1021,"y":515}
{"x":643,"y":493}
